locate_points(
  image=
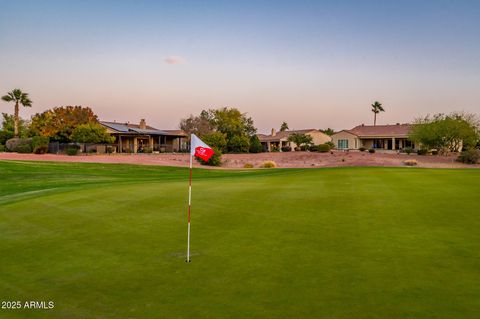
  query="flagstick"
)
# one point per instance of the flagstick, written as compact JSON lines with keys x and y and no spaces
{"x":189,"y":207}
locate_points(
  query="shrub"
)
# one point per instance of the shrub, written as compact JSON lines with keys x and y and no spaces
{"x":255,"y":145}
{"x":303,"y":148}
{"x":2,"y":148}
{"x":324,"y":148}
{"x":268,"y":164}
{"x":286,"y":149}
{"x":13,"y":143}
{"x":410,"y":162}
{"x":408,"y":150}
{"x":110,"y":149}
{"x":42,"y":149}
{"x":147,"y":149}
{"x":313,"y":148}
{"x":215,"y":160}
{"x":434,"y":152}
{"x":331,"y":144}
{"x":40,"y":144}
{"x":248,"y":165}
{"x":372,"y":150}
{"x":72,"y":150}
{"x":23,"y":148}
{"x":422,"y":151}
{"x":470,"y":156}
{"x":362,"y":149}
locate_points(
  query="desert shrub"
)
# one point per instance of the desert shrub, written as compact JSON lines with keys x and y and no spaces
{"x":268,"y":164}
{"x":410,"y":162}
{"x":23,"y":148}
{"x":408,"y":150}
{"x":303,"y":148}
{"x":73,"y":150}
{"x":313,"y":148}
{"x":42,"y":149}
{"x":434,"y":152}
{"x":147,"y":150}
{"x":110,"y":149}
{"x":323,"y":148}
{"x":286,"y":149}
{"x":422,"y":151}
{"x":40,"y":144}
{"x":248,"y":165}
{"x":215,"y":160}
{"x":372,"y":150}
{"x":13,"y":143}
{"x":362,"y":149}
{"x":470,"y":156}
{"x":331,"y":144}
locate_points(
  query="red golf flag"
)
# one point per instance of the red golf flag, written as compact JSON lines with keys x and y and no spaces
{"x":199,"y":149}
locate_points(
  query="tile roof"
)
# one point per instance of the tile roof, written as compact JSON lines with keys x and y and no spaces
{"x":401,"y":130}
{"x":282,"y":135}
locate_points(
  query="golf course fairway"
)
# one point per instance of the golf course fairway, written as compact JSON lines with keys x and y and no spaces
{"x":109,"y":241}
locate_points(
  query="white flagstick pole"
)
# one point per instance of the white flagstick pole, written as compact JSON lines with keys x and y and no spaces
{"x":189,"y":208}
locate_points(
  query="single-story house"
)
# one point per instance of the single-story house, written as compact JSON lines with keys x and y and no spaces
{"x":134,"y":138}
{"x":276,"y":140}
{"x":388,"y":137}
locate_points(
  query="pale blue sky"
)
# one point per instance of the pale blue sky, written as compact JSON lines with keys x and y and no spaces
{"x":311,"y":63}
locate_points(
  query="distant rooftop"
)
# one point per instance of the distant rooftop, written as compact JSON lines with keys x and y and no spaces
{"x":400,"y":130}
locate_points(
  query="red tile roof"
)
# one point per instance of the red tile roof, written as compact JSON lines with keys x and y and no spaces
{"x":396,"y":130}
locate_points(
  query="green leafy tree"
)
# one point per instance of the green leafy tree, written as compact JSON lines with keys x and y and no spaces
{"x":198,"y":125}
{"x":58,"y":123}
{"x":255,"y":145}
{"x":376,"y":108}
{"x":19,"y":98}
{"x":8,"y":128}
{"x":216,"y":139}
{"x":301,"y":140}
{"x":446,"y":133}
{"x":237,"y":127}
{"x":284,"y":127}
{"x":239,"y":144}
{"x":91,"y":133}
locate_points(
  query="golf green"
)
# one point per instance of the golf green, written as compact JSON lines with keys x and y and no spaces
{"x":109,"y":241}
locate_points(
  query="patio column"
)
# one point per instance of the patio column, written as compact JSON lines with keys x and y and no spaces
{"x":135,"y":144}
{"x":150,"y":142}
{"x":119,"y":143}
{"x":393,"y":143}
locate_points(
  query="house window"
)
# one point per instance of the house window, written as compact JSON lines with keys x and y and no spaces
{"x":343,"y":144}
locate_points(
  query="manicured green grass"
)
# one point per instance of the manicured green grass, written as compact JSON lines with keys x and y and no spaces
{"x":108,"y":241}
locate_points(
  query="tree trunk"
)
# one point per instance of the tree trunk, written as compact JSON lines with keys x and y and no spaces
{"x":374,"y":119}
{"x":15,"y":120}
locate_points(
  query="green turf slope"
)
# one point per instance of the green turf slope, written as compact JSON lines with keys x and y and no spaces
{"x":109,"y":241}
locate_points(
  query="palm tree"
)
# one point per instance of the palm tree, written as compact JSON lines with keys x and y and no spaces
{"x":376,"y":108}
{"x":18,"y":97}
{"x":284,"y":127}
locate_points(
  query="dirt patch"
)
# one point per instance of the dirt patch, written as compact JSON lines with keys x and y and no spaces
{"x":283,"y":160}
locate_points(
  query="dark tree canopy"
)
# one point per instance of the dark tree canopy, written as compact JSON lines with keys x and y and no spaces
{"x":58,"y":123}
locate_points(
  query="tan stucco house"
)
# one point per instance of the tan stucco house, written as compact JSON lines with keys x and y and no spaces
{"x":277,"y":140}
{"x":134,"y":138}
{"x":388,"y":137}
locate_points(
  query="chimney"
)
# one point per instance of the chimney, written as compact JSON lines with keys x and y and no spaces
{"x":274,"y":132}
{"x":143,"y":124}
{"x":363,"y":124}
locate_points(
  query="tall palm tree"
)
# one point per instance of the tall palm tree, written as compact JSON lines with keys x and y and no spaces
{"x":18,"y":97}
{"x":376,"y":108}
